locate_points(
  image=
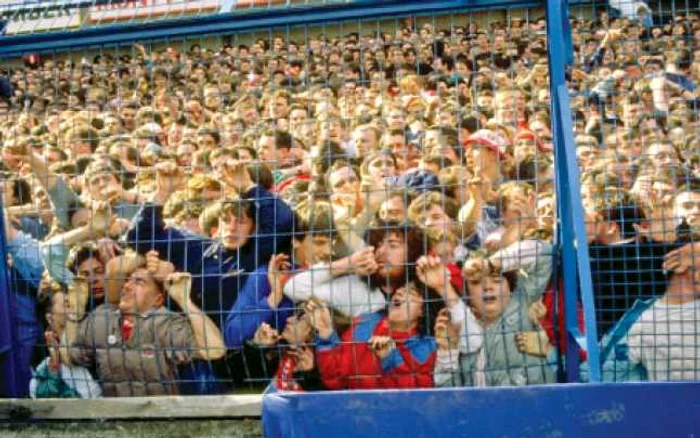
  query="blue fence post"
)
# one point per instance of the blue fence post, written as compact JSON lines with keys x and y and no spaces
{"x":571,"y":231}
{"x":8,"y":330}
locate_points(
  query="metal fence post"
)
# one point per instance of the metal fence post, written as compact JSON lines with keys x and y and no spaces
{"x":571,"y":231}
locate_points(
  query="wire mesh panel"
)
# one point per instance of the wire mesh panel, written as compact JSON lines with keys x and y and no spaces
{"x":357,"y":204}
{"x":635,"y":104}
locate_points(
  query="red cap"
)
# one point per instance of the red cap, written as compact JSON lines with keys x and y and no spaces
{"x":489,"y":139}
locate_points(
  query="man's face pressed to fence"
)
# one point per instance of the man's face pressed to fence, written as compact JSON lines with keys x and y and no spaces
{"x":390,"y":255}
{"x":140,"y":294}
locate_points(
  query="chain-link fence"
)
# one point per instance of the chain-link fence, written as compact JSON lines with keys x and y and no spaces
{"x":364,"y":204}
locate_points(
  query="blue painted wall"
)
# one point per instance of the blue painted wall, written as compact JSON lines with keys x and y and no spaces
{"x":590,"y":411}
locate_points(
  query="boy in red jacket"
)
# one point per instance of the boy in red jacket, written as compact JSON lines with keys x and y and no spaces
{"x":381,"y":350}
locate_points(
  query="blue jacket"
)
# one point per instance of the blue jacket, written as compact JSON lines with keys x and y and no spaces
{"x":218,"y":274}
{"x":25,"y":274}
{"x":251,"y":309}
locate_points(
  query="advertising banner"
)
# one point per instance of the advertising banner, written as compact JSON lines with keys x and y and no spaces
{"x":40,"y":18}
{"x":150,"y":9}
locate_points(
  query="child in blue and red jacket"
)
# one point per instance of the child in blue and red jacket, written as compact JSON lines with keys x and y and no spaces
{"x":381,"y":350}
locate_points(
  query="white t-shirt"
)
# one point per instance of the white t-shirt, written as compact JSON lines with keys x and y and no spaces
{"x":666,"y":341}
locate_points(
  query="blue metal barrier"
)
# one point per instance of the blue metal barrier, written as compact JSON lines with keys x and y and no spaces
{"x":594,"y":410}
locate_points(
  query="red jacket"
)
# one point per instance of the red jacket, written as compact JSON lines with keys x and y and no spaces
{"x":548,"y":323}
{"x":351,"y":364}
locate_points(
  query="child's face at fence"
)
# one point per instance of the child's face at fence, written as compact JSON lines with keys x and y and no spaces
{"x":94,"y":271}
{"x":406,"y":306}
{"x":235,"y":230}
{"x":298,"y":330}
{"x":140,"y":293}
{"x":489,"y":297}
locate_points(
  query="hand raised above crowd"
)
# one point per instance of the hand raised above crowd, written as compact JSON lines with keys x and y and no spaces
{"x":266,"y":336}
{"x":169,"y":179}
{"x":159,"y":269}
{"x":237,"y":176}
{"x":277,"y":272}
{"x":320,"y":317}
{"x":363,"y":262}
{"x":447,"y":333}
{"x":78,"y":297}
{"x":179,"y":285}
{"x":433,"y":273}
{"x":100,"y":218}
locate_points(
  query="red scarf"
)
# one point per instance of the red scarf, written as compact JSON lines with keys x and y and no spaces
{"x":285,"y":374}
{"x":127,"y":329}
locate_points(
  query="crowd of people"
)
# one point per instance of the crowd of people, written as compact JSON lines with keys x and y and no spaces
{"x":372,"y":210}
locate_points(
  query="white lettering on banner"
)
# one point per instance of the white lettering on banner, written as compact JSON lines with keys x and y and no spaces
{"x":19,"y":5}
{"x":145,"y":9}
{"x":41,"y":19}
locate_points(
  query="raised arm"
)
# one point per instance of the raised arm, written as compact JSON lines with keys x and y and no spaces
{"x":533,"y":259}
{"x":77,"y":335}
{"x":62,"y":197}
{"x":340,"y":284}
{"x":148,"y":231}
{"x":436,"y":276}
{"x":25,"y":252}
{"x":55,"y":250}
{"x":37,"y":163}
{"x":207,"y":336}
{"x":260,"y":301}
